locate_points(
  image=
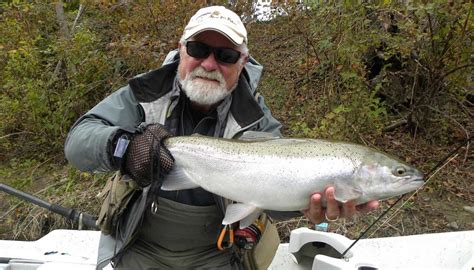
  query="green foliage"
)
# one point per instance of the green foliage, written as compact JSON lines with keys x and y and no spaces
{"x":318,"y":60}
{"x":428,"y":64}
{"x":46,"y":78}
{"x":358,"y":68}
{"x":50,"y":77}
{"x":332,"y":97}
{"x":10,"y":173}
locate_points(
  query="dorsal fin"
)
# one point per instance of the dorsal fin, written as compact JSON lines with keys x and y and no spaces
{"x":257,"y":136}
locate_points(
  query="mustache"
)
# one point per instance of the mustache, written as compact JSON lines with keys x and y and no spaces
{"x":201,"y":72}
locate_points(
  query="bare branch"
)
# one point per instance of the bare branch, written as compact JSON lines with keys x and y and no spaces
{"x":464,"y":27}
{"x":454,"y":70}
{"x":65,"y":33}
{"x":462,"y":106}
{"x":430,"y":24}
{"x":395,"y":125}
{"x":61,"y":19}
{"x":452,"y":119}
{"x":15,"y":133}
{"x":79,"y":13}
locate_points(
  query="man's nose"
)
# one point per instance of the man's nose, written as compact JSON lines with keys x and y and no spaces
{"x":210,"y":63}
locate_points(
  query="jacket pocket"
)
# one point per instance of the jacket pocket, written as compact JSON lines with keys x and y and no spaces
{"x":116,"y":195}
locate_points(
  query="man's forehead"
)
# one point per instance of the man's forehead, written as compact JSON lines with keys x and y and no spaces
{"x":212,"y":37}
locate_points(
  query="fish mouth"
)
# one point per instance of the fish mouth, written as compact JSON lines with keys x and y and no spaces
{"x":417,"y":181}
{"x":418,"y":178}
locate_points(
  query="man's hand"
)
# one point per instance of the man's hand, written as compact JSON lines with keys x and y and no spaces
{"x":146,"y":159}
{"x":316,"y":213}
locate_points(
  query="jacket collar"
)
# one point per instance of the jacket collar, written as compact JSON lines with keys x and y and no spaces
{"x":155,"y":84}
{"x":151,"y":86}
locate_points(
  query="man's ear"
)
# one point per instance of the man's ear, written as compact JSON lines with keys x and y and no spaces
{"x":246,"y":59}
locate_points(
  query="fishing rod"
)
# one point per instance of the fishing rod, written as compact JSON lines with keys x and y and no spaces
{"x":82,"y":219}
{"x":428,"y":176}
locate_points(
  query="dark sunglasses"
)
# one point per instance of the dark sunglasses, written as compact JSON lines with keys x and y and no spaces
{"x":201,"y":50}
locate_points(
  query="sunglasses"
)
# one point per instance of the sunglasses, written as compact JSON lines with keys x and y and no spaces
{"x":201,"y":50}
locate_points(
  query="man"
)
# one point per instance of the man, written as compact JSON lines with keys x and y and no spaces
{"x":207,"y":87}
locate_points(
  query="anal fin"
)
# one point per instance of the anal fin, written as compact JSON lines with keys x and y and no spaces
{"x":245,"y":213}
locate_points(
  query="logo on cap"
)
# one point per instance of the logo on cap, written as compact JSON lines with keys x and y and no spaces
{"x":220,"y":19}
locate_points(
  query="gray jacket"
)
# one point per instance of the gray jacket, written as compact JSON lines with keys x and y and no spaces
{"x":148,"y":98}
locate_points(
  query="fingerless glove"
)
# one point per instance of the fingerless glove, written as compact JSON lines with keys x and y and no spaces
{"x":146,"y":158}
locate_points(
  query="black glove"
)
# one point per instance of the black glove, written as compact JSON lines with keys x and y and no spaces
{"x":146,"y":159}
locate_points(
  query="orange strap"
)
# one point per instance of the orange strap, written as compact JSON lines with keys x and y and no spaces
{"x":226,"y":229}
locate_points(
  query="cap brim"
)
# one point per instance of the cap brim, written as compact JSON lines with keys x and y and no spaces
{"x":223,"y":29}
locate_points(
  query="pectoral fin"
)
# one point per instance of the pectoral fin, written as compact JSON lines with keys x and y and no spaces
{"x":344,"y":193}
{"x":244,"y":213}
{"x":178,"y":179}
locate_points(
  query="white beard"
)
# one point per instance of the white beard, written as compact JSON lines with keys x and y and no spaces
{"x":202,"y":92}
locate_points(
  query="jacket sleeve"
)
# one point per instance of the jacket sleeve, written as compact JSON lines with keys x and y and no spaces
{"x":89,"y":143}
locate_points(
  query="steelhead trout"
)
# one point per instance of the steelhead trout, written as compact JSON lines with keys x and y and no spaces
{"x":281,"y":173}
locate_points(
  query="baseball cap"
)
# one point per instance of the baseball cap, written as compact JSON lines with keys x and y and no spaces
{"x":220,"y":19}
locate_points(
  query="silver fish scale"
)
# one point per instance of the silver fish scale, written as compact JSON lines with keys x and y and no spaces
{"x":276,"y":174}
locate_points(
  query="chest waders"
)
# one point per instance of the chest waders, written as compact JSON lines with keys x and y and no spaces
{"x":151,"y":231}
{"x":178,"y":236}
{"x":168,"y":234}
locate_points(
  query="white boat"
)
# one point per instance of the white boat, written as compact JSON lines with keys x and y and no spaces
{"x":307,"y":249}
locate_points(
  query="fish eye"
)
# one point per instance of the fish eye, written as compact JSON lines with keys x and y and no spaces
{"x":399,"y":171}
